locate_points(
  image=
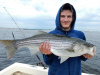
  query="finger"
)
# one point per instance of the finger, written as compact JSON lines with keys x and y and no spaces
{"x":49,"y":49}
{"x":44,"y":46}
{"x":40,"y":48}
{"x":46,"y":50}
{"x":87,"y":56}
{"x":84,"y":55}
{"x":90,"y":56}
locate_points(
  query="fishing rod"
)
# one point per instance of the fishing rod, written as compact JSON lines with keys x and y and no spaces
{"x":40,"y":63}
{"x":14,"y":22}
{"x":24,"y":36}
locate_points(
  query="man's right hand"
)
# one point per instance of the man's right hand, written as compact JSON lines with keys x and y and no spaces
{"x":45,"y":48}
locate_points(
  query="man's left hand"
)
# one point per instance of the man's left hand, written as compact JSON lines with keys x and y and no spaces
{"x":87,"y":56}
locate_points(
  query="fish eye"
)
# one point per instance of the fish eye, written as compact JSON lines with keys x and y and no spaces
{"x":86,"y":45}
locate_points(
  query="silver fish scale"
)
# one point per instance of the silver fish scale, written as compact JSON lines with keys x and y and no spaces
{"x":61,"y":45}
{"x":28,"y":42}
{"x":56,"y":41}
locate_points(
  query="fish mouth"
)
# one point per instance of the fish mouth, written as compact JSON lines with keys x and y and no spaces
{"x":93,"y":49}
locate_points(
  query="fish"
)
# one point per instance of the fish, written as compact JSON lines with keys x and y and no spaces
{"x":62,"y":46}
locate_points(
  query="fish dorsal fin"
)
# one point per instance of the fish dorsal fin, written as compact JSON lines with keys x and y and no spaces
{"x":59,"y":35}
{"x":40,"y":32}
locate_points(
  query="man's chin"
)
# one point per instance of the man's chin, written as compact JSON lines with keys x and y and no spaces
{"x":66,"y":28}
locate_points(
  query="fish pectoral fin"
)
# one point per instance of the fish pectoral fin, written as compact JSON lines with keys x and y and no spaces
{"x":32,"y":51}
{"x":70,"y":50}
{"x":62,"y":59}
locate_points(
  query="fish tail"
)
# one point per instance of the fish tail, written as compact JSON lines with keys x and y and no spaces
{"x":10,"y":48}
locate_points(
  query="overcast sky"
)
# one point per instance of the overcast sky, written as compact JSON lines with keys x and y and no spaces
{"x":40,"y":14}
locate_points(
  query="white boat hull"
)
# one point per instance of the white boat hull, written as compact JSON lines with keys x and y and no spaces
{"x":25,"y":69}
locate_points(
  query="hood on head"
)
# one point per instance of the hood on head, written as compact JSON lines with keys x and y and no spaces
{"x":58,"y":24}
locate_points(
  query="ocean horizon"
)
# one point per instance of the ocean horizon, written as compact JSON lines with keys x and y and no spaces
{"x":80,"y":29}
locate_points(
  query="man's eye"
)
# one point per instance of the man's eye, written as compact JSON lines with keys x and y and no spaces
{"x":62,"y":16}
{"x":68,"y":16}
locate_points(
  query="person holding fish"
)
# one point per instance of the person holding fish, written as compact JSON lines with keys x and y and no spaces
{"x":64,"y":47}
{"x":65,"y":23}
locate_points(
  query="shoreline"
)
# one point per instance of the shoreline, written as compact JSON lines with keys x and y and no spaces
{"x":43,"y":29}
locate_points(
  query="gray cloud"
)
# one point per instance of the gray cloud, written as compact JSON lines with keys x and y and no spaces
{"x":40,"y":22}
{"x":41,"y":15}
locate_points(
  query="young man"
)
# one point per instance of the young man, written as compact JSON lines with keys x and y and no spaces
{"x":65,"y":22}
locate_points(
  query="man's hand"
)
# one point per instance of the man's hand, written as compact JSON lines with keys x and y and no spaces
{"x":87,"y":56}
{"x":45,"y":48}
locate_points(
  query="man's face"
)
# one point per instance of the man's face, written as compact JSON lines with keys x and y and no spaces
{"x":66,"y":18}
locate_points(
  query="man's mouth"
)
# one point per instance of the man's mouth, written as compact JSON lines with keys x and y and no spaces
{"x":65,"y":23}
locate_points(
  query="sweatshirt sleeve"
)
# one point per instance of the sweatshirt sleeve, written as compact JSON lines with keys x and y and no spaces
{"x":82,"y":57}
{"x":48,"y":60}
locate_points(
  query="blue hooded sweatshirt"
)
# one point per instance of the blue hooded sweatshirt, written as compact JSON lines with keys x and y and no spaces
{"x":72,"y":66}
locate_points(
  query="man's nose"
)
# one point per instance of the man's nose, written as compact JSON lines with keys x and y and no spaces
{"x":66,"y":19}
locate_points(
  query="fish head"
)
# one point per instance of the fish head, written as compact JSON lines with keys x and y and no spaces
{"x":90,"y":48}
{"x":83,"y":48}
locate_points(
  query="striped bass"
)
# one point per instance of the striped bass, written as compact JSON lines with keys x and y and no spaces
{"x":62,"y":46}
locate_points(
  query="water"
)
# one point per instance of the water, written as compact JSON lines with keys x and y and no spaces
{"x":93,"y":65}
{"x":23,"y":56}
